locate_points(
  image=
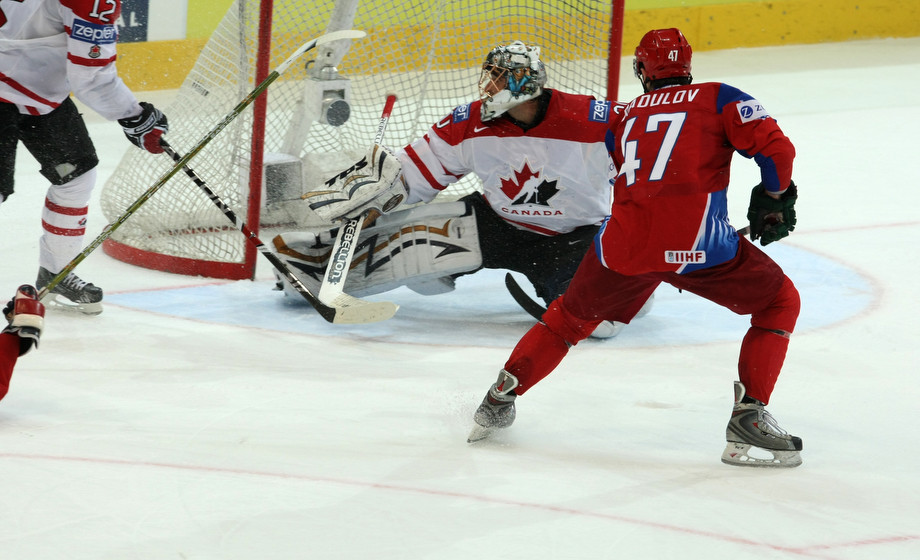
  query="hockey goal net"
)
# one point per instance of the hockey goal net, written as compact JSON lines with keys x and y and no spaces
{"x":321,"y":116}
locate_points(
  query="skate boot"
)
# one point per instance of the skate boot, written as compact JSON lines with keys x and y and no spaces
{"x":607,"y":329}
{"x":755,"y":439}
{"x":497,"y":408}
{"x":70,"y":294}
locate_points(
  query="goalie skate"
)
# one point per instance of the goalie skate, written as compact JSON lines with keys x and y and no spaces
{"x":755,"y":438}
{"x":70,"y":294}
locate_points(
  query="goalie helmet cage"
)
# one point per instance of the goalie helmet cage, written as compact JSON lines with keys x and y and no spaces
{"x":320,"y":116}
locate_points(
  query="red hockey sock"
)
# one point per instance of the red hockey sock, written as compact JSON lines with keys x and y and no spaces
{"x":762,"y":356}
{"x":536,"y":355}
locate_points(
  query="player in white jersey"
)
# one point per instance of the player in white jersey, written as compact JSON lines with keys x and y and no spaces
{"x":545,"y":173}
{"x":48,"y":49}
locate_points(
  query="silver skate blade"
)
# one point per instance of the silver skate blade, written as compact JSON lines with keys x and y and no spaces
{"x":60,"y":303}
{"x":746,"y":455}
{"x":479,"y":433}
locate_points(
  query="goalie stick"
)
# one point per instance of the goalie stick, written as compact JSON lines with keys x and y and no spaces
{"x":331,"y":292}
{"x":533,"y":308}
{"x":366,"y":312}
{"x":109,"y":229}
{"x":536,"y":310}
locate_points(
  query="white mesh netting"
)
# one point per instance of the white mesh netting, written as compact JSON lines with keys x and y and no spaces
{"x":428,"y":52}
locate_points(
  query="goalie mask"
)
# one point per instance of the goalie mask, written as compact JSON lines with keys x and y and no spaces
{"x":511,"y":75}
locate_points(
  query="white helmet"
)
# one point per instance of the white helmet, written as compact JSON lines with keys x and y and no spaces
{"x":517,"y":70}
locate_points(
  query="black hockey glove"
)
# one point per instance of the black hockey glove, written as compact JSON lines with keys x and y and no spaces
{"x":772,"y":219}
{"x":145,"y":130}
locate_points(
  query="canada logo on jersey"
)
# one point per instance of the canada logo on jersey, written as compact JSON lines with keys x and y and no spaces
{"x":528,"y":187}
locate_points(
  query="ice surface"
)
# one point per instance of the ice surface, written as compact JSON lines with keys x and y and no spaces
{"x":202,"y":419}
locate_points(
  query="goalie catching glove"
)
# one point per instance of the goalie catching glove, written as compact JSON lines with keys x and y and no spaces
{"x":772,"y":218}
{"x":374,"y":183}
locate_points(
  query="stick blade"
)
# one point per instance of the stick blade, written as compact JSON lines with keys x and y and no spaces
{"x":353,"y":311}
{"x":343,"y":34}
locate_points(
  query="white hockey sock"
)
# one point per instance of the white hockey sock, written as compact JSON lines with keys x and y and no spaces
{"x":64,"y":221}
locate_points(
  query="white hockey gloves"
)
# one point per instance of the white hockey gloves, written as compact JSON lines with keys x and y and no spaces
{"x":26,"y":317}
{"x":374,"y":183}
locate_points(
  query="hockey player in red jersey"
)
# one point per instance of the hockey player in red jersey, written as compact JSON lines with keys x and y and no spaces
{"x":669,"y":223}
{"x":545,"y":173}
{"x":50,"y":49}
{"x":25,"y":317}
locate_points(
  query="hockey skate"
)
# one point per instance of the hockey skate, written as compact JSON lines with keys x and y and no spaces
{"x":70,"y":294}
{"x":497,"y":408}
{"x":607,"y":329}
{"x":755,"y":438}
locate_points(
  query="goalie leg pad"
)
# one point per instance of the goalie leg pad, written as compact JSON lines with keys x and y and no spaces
{"x":419,"y":247}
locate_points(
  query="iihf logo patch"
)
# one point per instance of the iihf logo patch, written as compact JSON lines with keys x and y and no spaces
{"x":685,"y":257}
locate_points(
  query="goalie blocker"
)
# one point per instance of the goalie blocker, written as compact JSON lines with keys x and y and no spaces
{"x":421,"y":248}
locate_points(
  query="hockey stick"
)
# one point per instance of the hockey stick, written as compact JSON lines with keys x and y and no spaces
{"x":332,"y":293}
{"x":109,"y":229}
{"x":533,"y":308}
{"x":347,"y":314}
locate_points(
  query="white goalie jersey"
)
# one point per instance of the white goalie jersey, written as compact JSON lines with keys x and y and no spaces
{"x":549,"y":179}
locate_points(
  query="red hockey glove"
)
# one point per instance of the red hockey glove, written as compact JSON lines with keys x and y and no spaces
{"x":26,"y":316}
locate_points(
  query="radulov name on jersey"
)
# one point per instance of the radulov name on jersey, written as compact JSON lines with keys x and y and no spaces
{"x":664,"y":98}
{"x":682,"y":257}
{"x":89,"y":32}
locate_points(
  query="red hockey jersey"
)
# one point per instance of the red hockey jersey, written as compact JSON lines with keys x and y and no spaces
{"x":549,"y":179}
{"x":54,"y":47}
{"x":673,"y":149}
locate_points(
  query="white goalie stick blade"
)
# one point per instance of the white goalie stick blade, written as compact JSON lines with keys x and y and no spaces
{"x":349,"y":309}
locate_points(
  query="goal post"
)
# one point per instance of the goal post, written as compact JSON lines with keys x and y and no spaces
{"x":321,"y":116}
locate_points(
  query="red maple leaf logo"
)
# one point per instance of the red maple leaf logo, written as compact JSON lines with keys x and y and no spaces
{"x":512,"y":187}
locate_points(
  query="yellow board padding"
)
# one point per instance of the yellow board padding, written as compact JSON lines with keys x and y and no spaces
{"x":790,"y":22}
{"x":164,"y":64}
{"x":157,"y":64}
